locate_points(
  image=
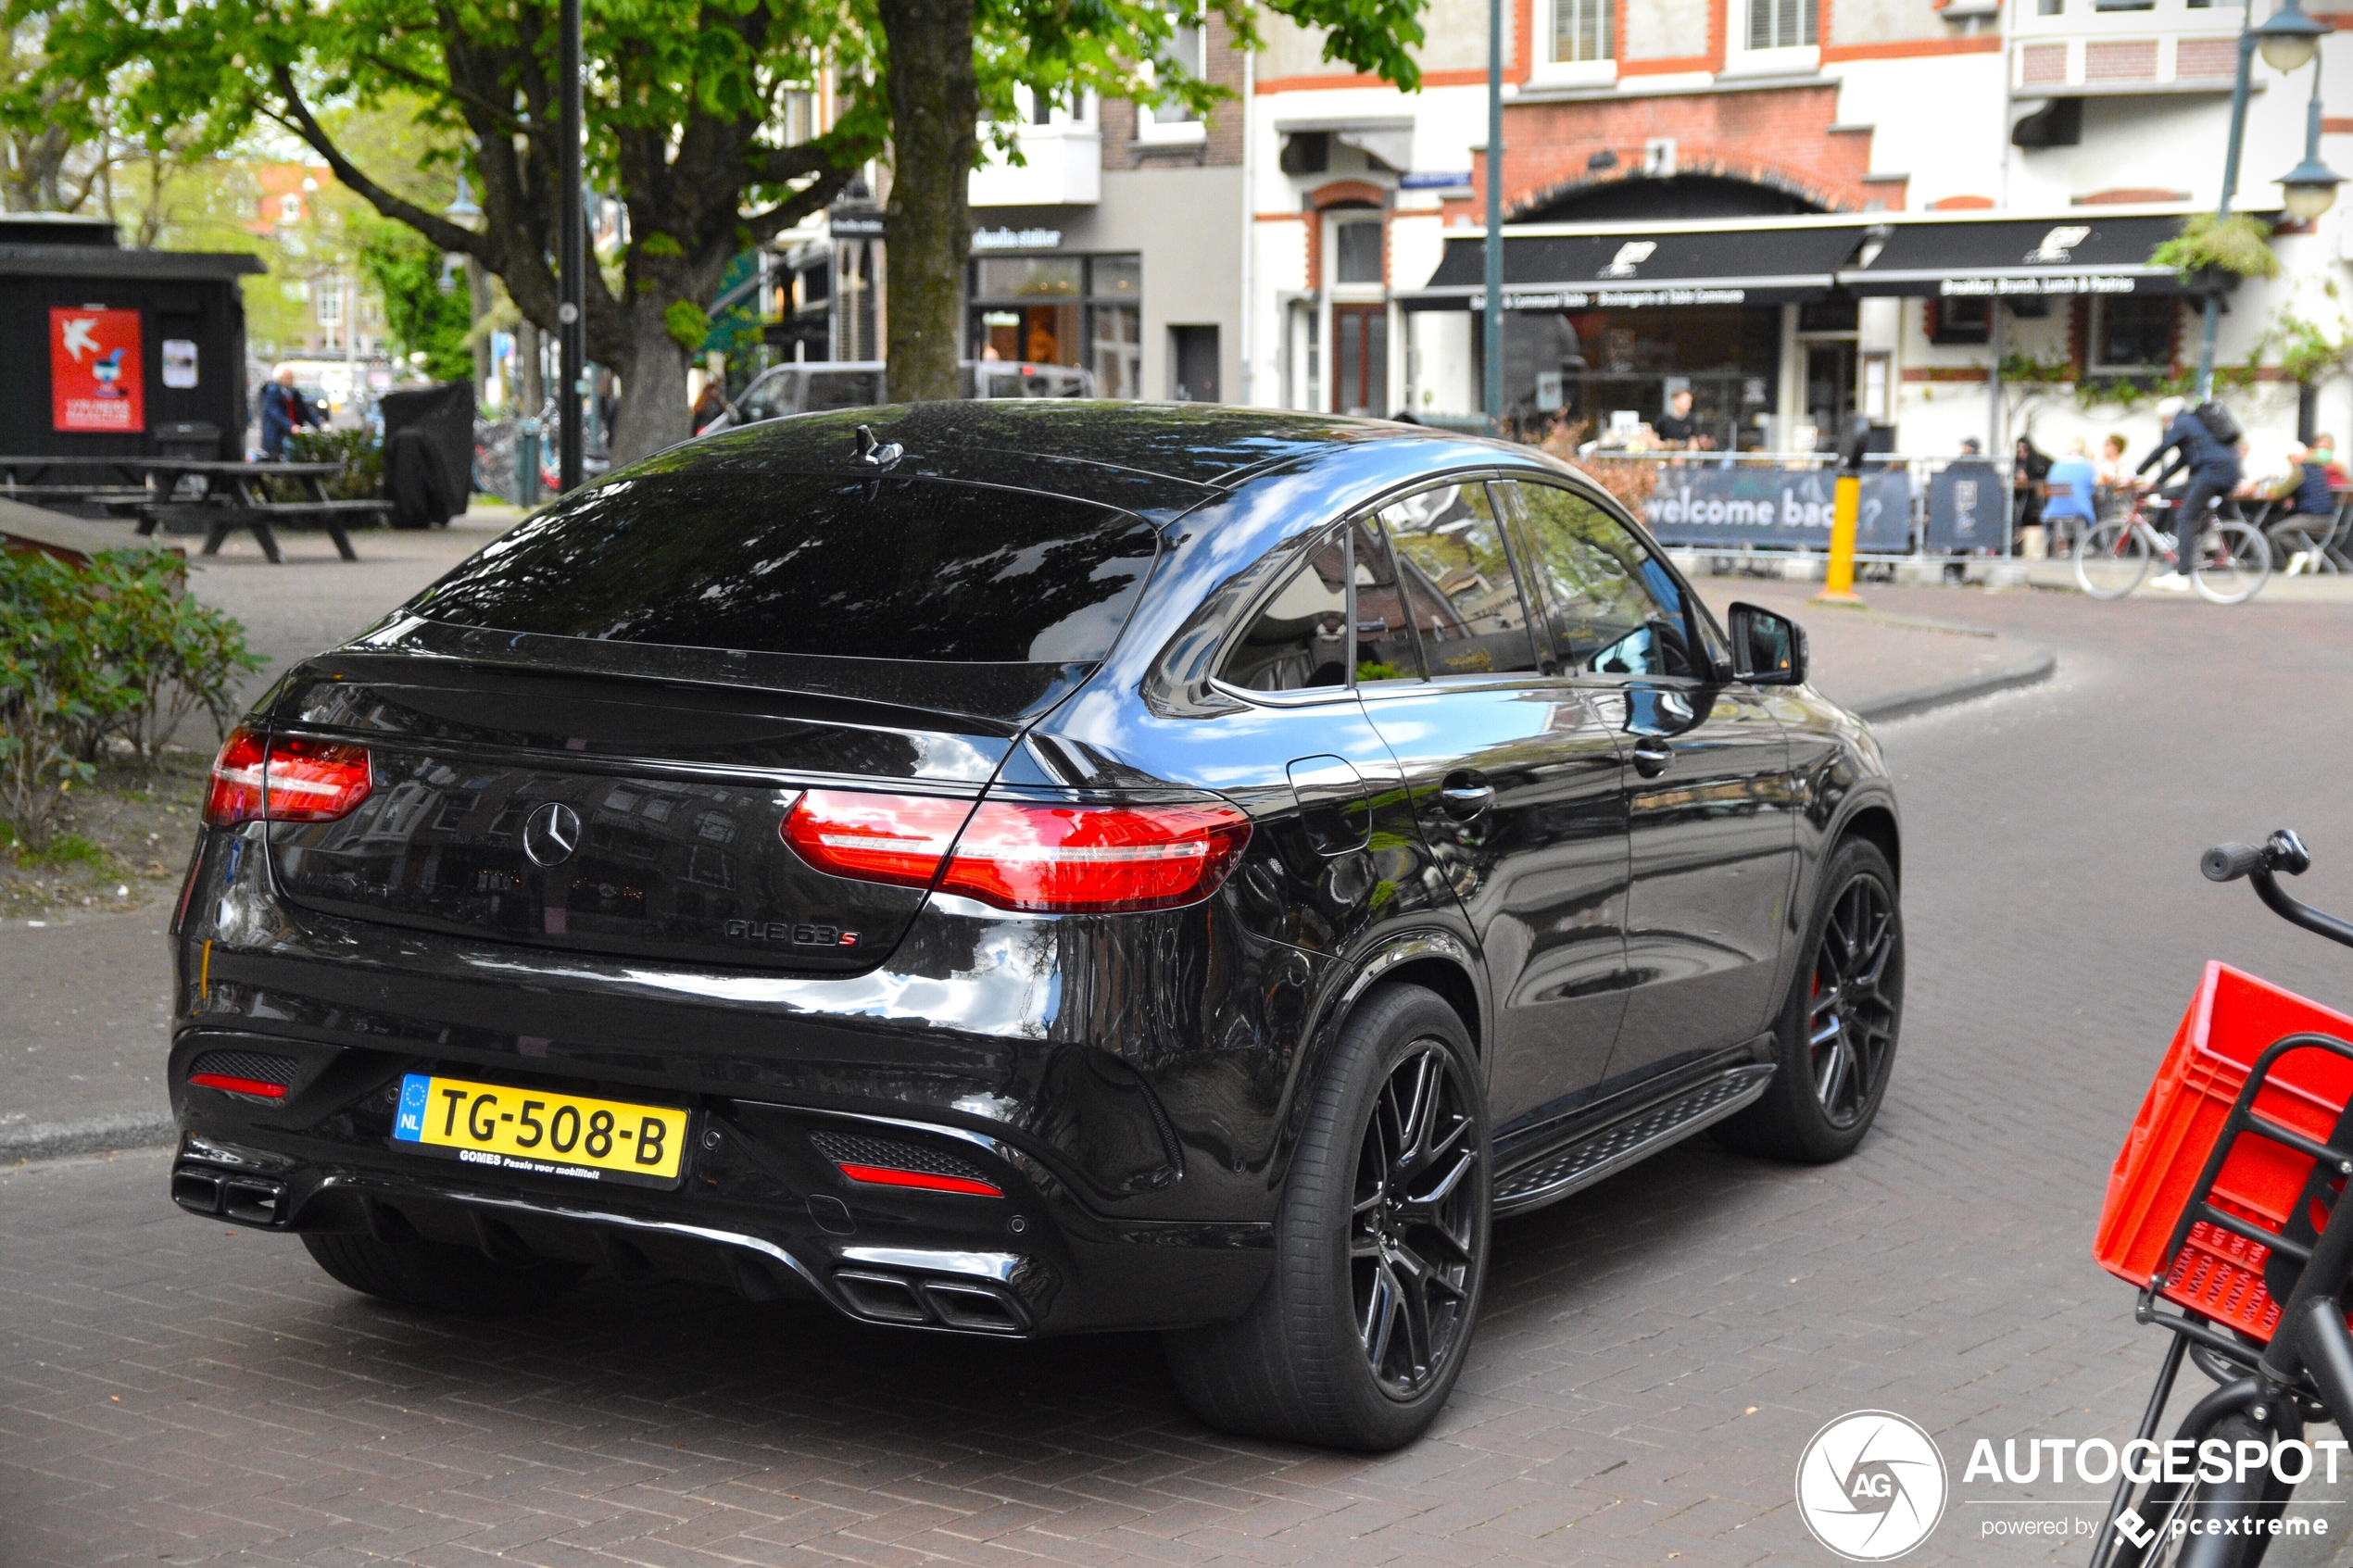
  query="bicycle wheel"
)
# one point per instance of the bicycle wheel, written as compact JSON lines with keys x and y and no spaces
{"x":2232,"y":564}
{"x":2113,"y":559}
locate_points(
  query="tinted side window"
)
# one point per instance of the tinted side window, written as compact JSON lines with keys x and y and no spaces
{"x":1299,"y":640}
{"x":1614,"y":607}
{"x":769,"y":397}
{"x":1386,"y":650}
{"x":1456,"y":575}
{"x":842,"y":389}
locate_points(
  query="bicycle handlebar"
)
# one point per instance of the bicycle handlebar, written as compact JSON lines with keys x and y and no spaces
{"x":2284,"y":851}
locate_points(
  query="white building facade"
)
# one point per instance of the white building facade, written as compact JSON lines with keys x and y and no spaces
{"x":1791,"y":208}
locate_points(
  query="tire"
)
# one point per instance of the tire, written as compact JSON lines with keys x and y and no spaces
{"x":1398,"y":1107}
{"x":1836,"y":1051}
{"x":2233,"y":564}
{"x":438,"y":1278}
{"x":2111,"y":562}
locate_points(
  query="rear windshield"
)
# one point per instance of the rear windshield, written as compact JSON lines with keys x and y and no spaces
{"x":908,"y":569}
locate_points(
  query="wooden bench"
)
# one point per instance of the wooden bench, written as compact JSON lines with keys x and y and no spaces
{"x":219,"y":520}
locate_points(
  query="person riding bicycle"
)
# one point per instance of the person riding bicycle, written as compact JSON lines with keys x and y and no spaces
{"x":2213,"y":469}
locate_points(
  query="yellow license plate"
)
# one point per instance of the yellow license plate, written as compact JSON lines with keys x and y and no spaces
{"x":498,"y":1127}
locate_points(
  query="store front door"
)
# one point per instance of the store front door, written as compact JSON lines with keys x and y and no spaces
{"x":1829,"y":383}
{"x":1359,"y":359}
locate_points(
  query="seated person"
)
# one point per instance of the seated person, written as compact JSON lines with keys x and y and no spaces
{"x":2311,"y":497}
{"x":2324,"y":454}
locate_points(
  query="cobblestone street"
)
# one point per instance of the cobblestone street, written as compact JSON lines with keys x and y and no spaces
{"x":1656,"y":1351}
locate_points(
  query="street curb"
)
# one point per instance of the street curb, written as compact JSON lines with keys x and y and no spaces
{"x":85,"y":1134}
{"x":2035,"y":670}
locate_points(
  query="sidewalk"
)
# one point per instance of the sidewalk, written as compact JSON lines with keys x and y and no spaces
{"x":86,"y":1040}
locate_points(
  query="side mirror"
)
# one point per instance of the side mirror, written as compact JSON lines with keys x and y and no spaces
{"x":1767,"y":649}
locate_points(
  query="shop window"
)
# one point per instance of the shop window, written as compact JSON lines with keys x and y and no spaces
{"x":1356,"y":251}
{"x":1959,"y":320}
{"x":1784,"y":24}
{"x":1062,"y":310}
{"x":1580,"y":30}
{"x":2132,"y":334}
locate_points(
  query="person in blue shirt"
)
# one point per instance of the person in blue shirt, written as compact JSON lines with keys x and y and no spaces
{"x":2213,"y":472}
{"x":2066,"y":510}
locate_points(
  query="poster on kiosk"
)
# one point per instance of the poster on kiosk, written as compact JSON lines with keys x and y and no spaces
{"x":94,"y":371}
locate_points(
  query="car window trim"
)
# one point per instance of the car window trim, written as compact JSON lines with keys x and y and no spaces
{"x":1304,"y":548}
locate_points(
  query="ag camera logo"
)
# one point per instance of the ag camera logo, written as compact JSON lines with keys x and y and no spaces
{"x":1870,"y":1485}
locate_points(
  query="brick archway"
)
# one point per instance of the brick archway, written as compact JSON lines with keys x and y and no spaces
{"x":1765,"y":176}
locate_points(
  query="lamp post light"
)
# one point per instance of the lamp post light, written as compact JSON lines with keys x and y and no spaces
{"x":2311,"y":186}
{"x":1492,"y":313}
{"x":2288,"y":41}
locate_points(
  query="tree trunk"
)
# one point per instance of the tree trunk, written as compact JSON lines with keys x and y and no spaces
{"x":531,"y":378}
{"x":935,"y":111}
{"x":653,"y":412}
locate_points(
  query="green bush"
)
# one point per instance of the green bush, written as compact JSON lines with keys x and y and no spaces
{"x":361,"y":454}
{"x":98,"y":661}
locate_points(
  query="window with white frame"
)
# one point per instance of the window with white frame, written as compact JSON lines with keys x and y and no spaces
{"x":1581,"y":32}
{"x":1784,"y":24}
{"x":1186,"y":50}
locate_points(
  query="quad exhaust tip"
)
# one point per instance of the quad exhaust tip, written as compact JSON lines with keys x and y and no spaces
{"x":249,"y":1201}
{"x":957,"y":1304}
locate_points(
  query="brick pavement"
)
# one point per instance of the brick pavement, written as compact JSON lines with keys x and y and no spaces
{"x":1656,"y":1351}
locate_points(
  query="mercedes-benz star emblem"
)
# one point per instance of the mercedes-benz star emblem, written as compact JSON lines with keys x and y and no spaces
{"x":552,"y":835}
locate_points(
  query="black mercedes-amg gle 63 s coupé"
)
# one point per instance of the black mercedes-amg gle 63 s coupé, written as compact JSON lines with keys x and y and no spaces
{"x":1020,"y":869}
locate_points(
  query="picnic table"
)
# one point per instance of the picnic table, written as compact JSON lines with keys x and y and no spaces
{"x":235,"y":496}
{"x":45,"y":478}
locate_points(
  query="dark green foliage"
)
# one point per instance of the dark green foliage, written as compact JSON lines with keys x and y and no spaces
{"x":361,"y":454}
{"x":107,"y":661}
{"x":421,"y":316}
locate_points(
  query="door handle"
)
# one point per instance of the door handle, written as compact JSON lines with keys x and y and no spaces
{"x":1463,"y":797}
{"x":1652,"y":757}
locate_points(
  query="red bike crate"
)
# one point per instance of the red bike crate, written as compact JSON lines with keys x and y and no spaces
{"x":2233,"y":1020}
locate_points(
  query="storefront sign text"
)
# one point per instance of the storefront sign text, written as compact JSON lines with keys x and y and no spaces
{"x":2057,"y":282}
{"x":1754,"y":505}
{"x":1607,"y":299}
{"x":1016,"y":239}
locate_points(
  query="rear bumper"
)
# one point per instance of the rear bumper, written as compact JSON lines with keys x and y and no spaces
{"x":758,"y":1209}
{"x":1120,"y":1081}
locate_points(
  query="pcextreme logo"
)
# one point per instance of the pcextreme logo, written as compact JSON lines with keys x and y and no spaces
{"x":1870,"y":1485}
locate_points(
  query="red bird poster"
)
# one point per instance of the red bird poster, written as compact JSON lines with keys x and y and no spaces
{"x":94,"y":364}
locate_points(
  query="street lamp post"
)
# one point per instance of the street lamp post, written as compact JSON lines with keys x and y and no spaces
{"x":571,"y":254}
{"x":1491,"y":314}
{"x":2288,"y":40}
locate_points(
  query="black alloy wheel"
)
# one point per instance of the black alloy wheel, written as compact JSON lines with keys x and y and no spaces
{"x":1835,"y":1042}
{"x":1381,"y":1245}
{"x":1850,"y":1019}
{"x":1413,"y":1234}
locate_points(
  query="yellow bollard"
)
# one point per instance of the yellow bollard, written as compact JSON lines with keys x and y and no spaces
{"x":1838,"y":586}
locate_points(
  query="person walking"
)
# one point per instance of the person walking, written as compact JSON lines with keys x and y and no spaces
{"x":2212,"y":466}
{"x":2029,"y":468}
{"x":709,"y":406}
{"x":283,"y":410}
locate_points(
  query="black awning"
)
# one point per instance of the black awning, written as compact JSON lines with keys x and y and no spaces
{"x":1628,"y":269}
{"x":2080,"y":253}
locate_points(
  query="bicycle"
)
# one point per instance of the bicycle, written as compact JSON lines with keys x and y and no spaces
{"x":2233,"y":563}
{"x":2267,"y":1387}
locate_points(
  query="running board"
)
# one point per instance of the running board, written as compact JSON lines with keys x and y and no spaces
{"x":1552,"y":1176}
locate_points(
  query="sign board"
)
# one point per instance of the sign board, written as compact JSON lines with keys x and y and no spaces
{"x":96,"y":369}
{"x":178,"y":363}
{"x":1969,"y":507}
{"x":1755,"y":505}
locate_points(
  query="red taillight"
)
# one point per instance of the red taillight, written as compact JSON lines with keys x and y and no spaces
{"x":1061,"y":860}
{"x":238,"y":1085}
{"x":295,"y":781}
{"x":896,"y":839}
{"x":889,"y":1176}
{"x":1097,"y":858}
